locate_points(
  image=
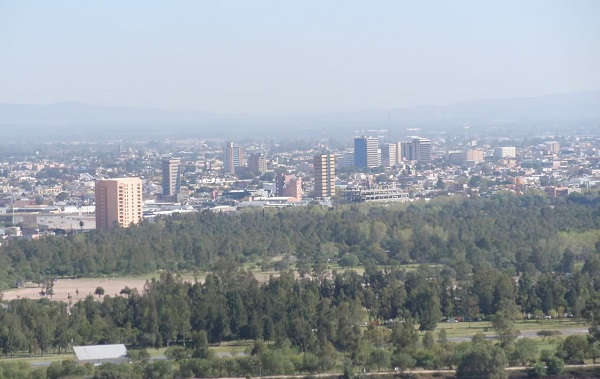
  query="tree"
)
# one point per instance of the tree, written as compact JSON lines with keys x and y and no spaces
{"x":310,"y":363}
{"x":504,"y":325}
{"x":554,"y":365}
{"x":427,"y":359}
{"x":523,"y":352}
{"x":428,"y":340}
{"x":440,"y":184}
{"x":144,"y":356}
{"x":112,"y":371}
{"x":403,"y":361}
{"x":99,"y":291}
{"x":200,"y":345}
{"x":485,"y":362}
{"x":379,"y":358}
{"x":538,"y":370}
{"x":348,"y":260}
{"x":574,"y":348}
{"x":404,"y":337}
{"x":425,"y":305}
{"x":158,"y":370}
{"x":66,"y":368}
{"x":592,"y":315}
{"x":443,"y":338}
{"x":176,"y":353}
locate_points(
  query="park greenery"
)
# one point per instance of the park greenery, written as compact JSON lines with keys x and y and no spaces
{"x":500,"y":259}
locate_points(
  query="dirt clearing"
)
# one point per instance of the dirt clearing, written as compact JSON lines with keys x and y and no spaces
{"x":77,"y":288}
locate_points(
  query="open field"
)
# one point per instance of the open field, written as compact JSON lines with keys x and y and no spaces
{"x":82,"y":287}
{"x":464,"y":331}
{"x":78,"y":288}
{"x":112,"y":285}
{"x":528,"y":328}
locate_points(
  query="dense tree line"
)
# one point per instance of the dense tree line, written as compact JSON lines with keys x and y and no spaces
{"x":510,"y":233}
{"x":501,"y":258}
{"x":298,"y":325}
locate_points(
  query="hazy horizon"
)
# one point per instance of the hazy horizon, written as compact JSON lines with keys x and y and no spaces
{"x":277,"y":58}
{"x":317,"y":112}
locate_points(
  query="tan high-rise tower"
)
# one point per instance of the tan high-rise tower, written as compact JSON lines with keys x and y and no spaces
{"x":118,"y":200}
{"x":324,"y":165}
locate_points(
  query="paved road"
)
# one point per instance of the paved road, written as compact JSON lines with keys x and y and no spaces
{"x":220,"y":354}
{"x":525,"y":333}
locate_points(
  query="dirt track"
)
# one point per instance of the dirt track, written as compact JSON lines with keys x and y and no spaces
{"x":65,"y":287}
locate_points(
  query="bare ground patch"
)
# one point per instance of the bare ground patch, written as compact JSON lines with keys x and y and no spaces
{"x":77,"y":288}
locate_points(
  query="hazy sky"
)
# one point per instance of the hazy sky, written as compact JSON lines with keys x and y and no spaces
{"x":294,"y":56}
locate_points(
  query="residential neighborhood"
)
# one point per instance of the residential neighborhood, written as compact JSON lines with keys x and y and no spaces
{"x":51,"y":190}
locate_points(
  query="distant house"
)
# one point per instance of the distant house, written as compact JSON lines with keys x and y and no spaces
{"x":98,"y":354}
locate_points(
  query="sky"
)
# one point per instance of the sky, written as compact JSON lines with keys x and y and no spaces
{"x":286,"y":57}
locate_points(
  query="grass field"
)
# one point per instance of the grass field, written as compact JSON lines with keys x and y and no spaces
{"x":458,"y":330}
{"x":468,"y":329}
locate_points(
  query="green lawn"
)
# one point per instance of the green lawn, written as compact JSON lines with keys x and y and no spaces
{"x":45,"y":358}
{"x":468,"y":329}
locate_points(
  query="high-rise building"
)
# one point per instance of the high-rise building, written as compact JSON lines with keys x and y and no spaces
{"x":475,"y":156}
{"x":324,"y":165}
{"x":469,"y":157}
{"x":232,"y":157}
{"x":553,"y":146}
{"x":118,"y":201}
{"x":257,"y":163}
{"x":389,"y":154}
{"x":280,"y":182}
{"x":420,"y":150}
{"x":171,"y":177}
{"x":404,"y":150}
{"x":505,"y":152}
{"x":366,"y":152}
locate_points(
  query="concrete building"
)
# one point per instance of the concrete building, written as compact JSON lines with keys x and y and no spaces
{"x":118,"y":201}
{"x":553,"y":147}
{"x":366,"y":152}
{"x":288,"y":186}
{"x":474,"y":156}
{"x":390,"y":155}
{"x":171,"y":177}
{"x":324,"y":165}
{"x":469,"y":157}
{"x":257,"y":163}
{"x":404,"y":151}
{"x":345,"y":159}
{"x":505,"y":152}
{"x":420,"y":150}
{"x":359,"y":195}
{"x":232,"y":157}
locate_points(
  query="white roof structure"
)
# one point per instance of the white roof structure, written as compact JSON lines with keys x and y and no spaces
{"x":100,"y":353}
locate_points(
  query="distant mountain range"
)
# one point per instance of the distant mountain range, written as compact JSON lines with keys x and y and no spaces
{"x":511,"y":116}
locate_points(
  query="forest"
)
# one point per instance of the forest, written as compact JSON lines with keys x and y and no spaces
{"x":500,"y":259}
